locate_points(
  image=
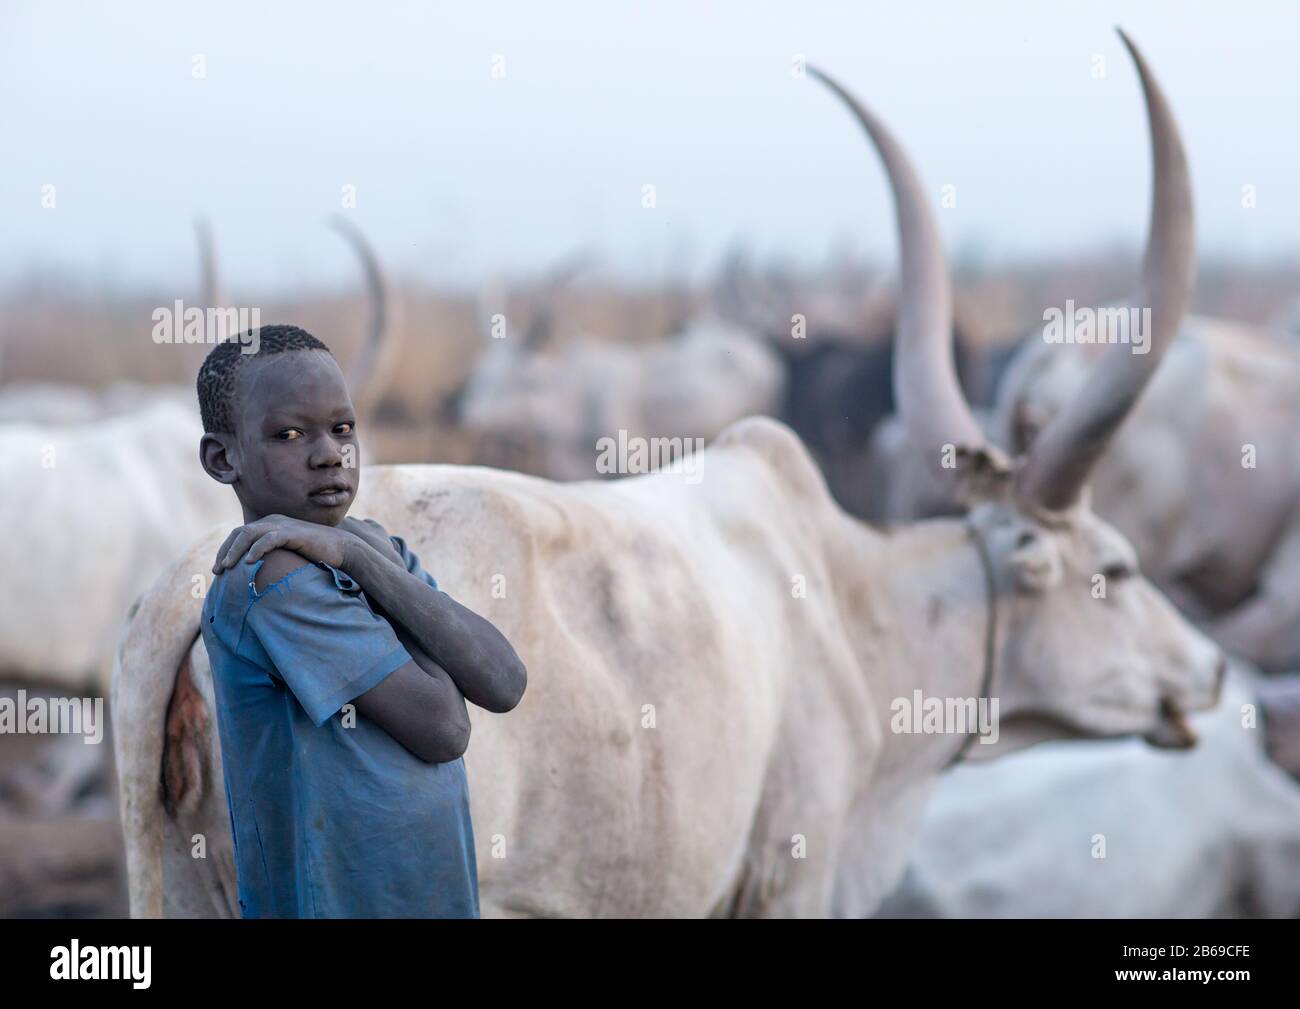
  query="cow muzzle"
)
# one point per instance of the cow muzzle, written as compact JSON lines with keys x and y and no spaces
{"x":1173,"y":729}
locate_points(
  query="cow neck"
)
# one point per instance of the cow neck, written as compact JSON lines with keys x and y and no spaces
{"x":990,"y":630}
{"x":941,"y":634}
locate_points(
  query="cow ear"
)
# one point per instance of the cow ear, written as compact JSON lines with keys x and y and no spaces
{"x":983,"y":474}
{"x":1034,"y":561}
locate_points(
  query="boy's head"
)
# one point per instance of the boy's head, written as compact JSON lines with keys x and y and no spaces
{"x":280,"y":427}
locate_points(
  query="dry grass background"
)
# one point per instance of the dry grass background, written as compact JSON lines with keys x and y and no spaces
{"x":56,"y":332}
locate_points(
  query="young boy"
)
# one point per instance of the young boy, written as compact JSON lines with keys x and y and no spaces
{"x":340,"y":669}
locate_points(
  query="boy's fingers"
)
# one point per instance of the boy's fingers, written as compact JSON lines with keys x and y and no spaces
{"x":237,"y":549}
{"x":241,"y":539}
{"x":221,"y":550}
{"x":264,"y":545}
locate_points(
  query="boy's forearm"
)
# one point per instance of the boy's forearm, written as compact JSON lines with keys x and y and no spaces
{"x":402,"y":705}
{"x":474,"y":654}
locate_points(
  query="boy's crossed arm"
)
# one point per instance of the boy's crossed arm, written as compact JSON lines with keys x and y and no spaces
{"x":455,"y":651}
{"x":420,"y":706}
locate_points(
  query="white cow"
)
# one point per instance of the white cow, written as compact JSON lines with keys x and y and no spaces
{"x":95,"y":511}
{"x":1205,"y":482}
{"x":544,"y":404}
{"x":59,"y":403}
{"x":710,"y":724}
{"x":1115,"y":830}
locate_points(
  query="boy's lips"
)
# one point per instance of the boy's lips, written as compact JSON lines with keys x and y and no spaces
{"x":331,"y":494}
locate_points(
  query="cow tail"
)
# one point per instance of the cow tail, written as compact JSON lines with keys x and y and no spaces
{"x":159,"y":632}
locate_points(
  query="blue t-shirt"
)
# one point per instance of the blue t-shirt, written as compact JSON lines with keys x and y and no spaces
{"x":328,"y":821}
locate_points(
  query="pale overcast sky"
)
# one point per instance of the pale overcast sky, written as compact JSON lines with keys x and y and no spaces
{"x":460,"y":174}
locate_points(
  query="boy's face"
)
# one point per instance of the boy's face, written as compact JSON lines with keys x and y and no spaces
{"x":296,"y":447}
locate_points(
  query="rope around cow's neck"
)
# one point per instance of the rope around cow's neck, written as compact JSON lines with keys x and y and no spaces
{"x":990,"y":632}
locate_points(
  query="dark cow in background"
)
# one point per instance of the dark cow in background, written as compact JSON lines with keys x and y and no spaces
{"x":835,"y":341}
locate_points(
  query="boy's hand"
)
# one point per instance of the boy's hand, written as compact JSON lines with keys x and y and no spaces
{"x":370,"y":531}
{"x":315,"y":542}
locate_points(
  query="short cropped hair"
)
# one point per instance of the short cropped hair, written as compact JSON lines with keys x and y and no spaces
{"x":218,"y":382}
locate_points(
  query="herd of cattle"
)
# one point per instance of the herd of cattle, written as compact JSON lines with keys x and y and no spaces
{"x":1106,"y":542}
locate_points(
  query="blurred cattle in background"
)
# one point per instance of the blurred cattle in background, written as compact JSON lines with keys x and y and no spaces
{"x":836,"y":345}
{"x":1118,"y":830}
{"x":540,"y":400}
{"x":1285,"y":322}
{"x":55,"y":403}
{"x":104,"y":505}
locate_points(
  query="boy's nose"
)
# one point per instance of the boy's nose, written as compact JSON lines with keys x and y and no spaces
{"x":326,"y":453}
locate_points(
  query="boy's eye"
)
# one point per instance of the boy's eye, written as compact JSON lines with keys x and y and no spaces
{"x":290,"y":434}
{"x":344,"y":428}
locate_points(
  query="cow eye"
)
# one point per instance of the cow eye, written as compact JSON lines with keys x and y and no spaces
{"x":1117,"y":572}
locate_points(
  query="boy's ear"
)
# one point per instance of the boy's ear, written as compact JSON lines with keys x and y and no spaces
{"x":219,"y":457}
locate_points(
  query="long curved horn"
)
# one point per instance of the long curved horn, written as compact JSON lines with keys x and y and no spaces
{"x":362,"y":366}
{"x":1063,"y":454}
{"x":209,"y":277}
{"x":929,"y":398}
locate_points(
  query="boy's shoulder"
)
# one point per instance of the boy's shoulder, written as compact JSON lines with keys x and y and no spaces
{"x":281,"y":579}
{"x":276,"y":565}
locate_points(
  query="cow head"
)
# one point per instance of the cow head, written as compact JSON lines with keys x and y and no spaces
{"x":523,"y":396}
{"x":1083,"y":644}
{"x":1086,"y":646}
